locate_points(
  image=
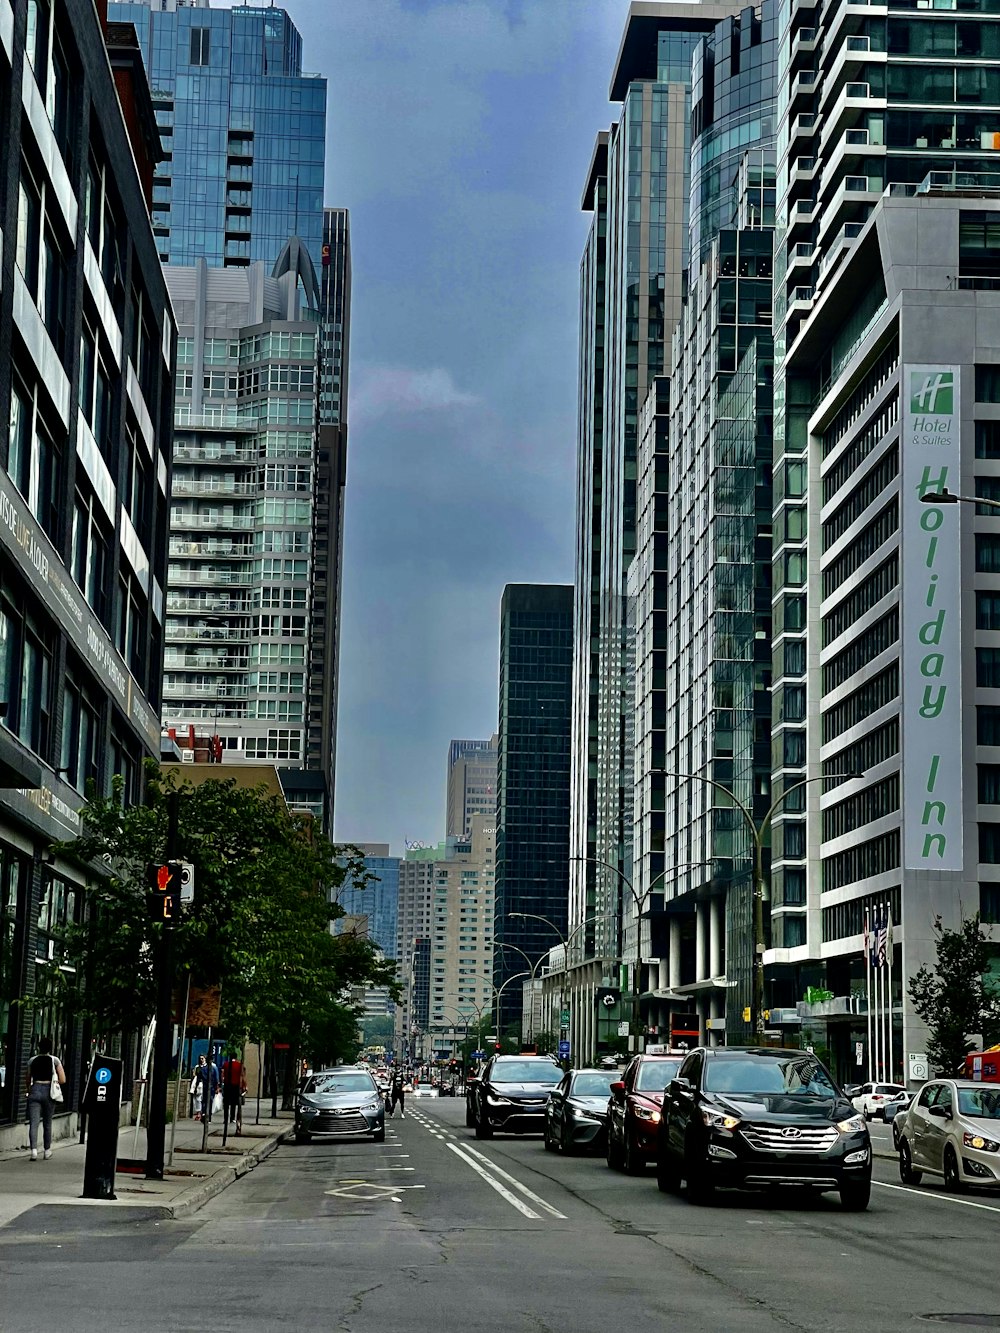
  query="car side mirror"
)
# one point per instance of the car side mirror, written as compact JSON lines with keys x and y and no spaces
{"x":617,"y":1090}
{"x":940,"y":1112}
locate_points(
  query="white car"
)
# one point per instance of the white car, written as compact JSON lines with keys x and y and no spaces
{"x":952,"y":1130}
{"x":871,"y":1100}
{"x":425,"y":1090}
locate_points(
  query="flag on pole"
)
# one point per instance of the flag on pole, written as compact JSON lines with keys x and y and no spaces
{"x":867,"y":937}
{"x":881,"y":935}
{"x":888,"y":934}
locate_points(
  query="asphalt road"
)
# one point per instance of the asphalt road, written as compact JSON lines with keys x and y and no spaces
{"x":433,"y":1232}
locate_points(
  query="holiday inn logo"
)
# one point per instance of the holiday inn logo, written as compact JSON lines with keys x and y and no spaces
{"x":932,"y":393}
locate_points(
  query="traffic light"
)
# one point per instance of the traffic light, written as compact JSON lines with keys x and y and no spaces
{"x":165,"y":892}
{"x":497,"y":1045}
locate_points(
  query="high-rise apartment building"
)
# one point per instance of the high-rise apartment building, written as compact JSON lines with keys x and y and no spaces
{"x":86,"y":395}
{"x":378,"y":900}
{"x":532,"y":820}
{"x":472,"y":784}
{"x":632,"y":281}
{"x":238,"y":628}
{"x":413,"y":924}
{"x":244,"y":131}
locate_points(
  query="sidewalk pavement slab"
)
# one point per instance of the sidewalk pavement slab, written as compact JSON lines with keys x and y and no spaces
{"x":189,"y":1182}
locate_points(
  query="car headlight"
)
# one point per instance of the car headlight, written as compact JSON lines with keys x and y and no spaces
{"x":981,"y":1143}
{"x":719,"y":1120}
{"x":583,"y":1113}
{"x":644,"y":1113}
{"x":372,"y":1106}
{"x":495,"y":1100}
{"x":305,"y":1105}
{"x":852,"y":1125}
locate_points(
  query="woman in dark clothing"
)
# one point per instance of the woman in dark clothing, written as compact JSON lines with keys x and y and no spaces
{"x":397,"y":1095}
{"x":40,"y":1103}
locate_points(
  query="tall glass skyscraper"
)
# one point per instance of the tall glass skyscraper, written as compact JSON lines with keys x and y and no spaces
{"x":243,"y":128}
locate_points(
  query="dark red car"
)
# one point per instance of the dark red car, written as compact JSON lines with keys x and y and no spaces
{"x":634,"y":1111}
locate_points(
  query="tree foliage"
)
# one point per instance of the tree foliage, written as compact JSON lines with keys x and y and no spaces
{"x":957,"y":997}
{"x":259,"y":926}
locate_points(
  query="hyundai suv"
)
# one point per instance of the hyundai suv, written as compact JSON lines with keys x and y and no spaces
{"x":634,"y":1111}
{"x":511,"y":1093}
{"x":757,"y":1118}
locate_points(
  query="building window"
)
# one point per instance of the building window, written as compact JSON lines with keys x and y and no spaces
{"x":989,"y":905}
{"x":89,"y":563}
{"x":80,"y":736}
{"x":26,"y":654}
{"x":200,"y":45}
{"x":34,"y":460}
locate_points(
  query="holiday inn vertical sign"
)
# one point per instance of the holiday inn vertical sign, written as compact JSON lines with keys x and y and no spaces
{"x":931,"y":593}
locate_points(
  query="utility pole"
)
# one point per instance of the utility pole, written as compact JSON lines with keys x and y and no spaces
{"x":156,"y":1127}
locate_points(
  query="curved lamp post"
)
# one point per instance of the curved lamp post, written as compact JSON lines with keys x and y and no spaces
{"x":757,"y":833}
{"x":564,"y":941}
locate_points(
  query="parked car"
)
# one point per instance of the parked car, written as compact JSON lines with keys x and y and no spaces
{"x":895,"y":1114}
{"x":511,"y":1093}
{"x":341,"y":1102}
{"x":870,"y":1100}
{"x":634,"y":1111}
{"x":577,"y":1111}
{"x":757,"y":1117}
{"x":952,"y":1130}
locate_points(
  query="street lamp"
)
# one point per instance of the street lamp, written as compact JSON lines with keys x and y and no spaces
{"x":757,"y":833}
{"x":946,"y":497}
{"x":564,"y":941}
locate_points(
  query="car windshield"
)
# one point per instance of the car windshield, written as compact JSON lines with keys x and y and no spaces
{"x":980,"y":1103}
{"x":654,"y":1075}
{"x":592,"y":1085}
{"x":791,"y":1075}
{"x":526,"y":1071}
{"x":341,"y":1083}
{"x":889,"y":1089}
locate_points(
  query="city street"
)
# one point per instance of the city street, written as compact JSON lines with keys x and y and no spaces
{"x":433,"y":1230}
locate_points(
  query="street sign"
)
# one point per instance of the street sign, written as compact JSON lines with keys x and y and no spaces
{"x":918,"y":1067}
{"x":623,"y":1028}
{"x":564,"y":1016}
{"x":859,"y":1052}
{"x":478,"y":1055}
{"x":564,"y":1048}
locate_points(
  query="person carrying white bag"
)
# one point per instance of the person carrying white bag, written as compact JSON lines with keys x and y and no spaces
{"x":45,"y":1078}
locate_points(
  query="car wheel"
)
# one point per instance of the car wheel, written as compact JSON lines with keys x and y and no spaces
{"x":953,"y":1182}
{"x":632,"y":1160}
{"x":302,"y":1137}
{"x":379,"y":1135}
{"x":612,"y":1154}
{"x":855,"y":1195}
{"x":470,"y":1116}
{"x":700,"y":1186}
{"x":868,"y":1114}
{"x":483,"y":1130}
{"x":547,"y":1139}
{"x":668,"y":1177}
{"x":565,"y":1142}
{"x":906,"y":1172}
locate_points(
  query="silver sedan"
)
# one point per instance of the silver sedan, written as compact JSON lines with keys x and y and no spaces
{"x":340,"y":1103}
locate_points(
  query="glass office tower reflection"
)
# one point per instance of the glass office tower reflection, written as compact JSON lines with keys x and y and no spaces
{"x":243,"y":129}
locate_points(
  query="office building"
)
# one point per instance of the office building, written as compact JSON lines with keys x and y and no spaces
{"x":86,"y":385}
{"x":472,"y":784}
{"x":378,"y":899}
{"x":532,"y":822}
{"x":238,"y":624}
{"x":632,"y":280}
{"x":244,"y":131}
{"x":413,"y":923}
{"x":701,"y":580}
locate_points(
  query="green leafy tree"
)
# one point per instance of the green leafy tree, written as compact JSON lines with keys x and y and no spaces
{"x":957,"y":997}
{"x":265,"y":885}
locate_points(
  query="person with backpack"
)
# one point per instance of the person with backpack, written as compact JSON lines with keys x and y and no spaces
{"x":397,"y":1095}
{"x":45,"y":1078}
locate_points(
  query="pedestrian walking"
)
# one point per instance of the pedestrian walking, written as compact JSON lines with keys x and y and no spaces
{"x":234,"y":1087}
{"x":193,"y":1092}
{"x":396,"y":1095}
{"x":208,"y":1085}
{"x":43,"y":1071}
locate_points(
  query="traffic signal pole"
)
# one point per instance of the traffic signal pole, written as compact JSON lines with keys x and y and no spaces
{"x":156,"y":1125}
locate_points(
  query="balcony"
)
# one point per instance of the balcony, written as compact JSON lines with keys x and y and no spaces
{"x":227,"y":418}
{"x":801,"y":299}
{"x":804,"y":84}
{"x":213,"y":452}
{"x":803,"y":42}
{"x":183,"y":575}
{"x":206,"y":606}
{"x":194,"y":661}
{"x":855,"y":102}
{"x":201,"y":690}
{"x":212,"y":485}
{"x":804,"y":124}
{"x":803,"y":169}
{"x":209,"y":549}
{"x":800,"y":255}
{"x":198,"y":522}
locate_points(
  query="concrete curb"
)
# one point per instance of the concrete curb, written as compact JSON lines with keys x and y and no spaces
{"x":198,"y":1195}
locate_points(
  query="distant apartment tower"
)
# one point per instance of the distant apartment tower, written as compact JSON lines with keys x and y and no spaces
{"x":413,"y":923}
{"x":472,"y":784}
{"x":86,"y":399}
{"x":377,"y":900}
{"x":533,"y":775}
{"x":244,"y":131}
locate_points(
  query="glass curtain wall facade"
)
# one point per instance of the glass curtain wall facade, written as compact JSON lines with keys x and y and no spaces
{"x":378,"y":900}
{"x":243,"y":128}
{"x":639,"y":187}
{"x":532,"y":824}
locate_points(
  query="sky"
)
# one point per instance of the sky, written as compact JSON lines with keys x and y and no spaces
{"x":459,"y":134}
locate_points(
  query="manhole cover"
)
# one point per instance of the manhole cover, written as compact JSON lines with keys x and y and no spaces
{"x":964,"y":1320}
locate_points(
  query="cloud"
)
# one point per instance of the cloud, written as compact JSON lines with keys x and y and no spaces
{"x":379,"y":391}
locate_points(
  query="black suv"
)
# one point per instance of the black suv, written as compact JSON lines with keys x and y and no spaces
{"x":511,"y":1093}
{"x":759,"y":1117}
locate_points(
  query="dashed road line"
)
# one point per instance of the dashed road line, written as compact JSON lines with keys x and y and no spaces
{"x":495,"y":1184}
{"x":517,"y":1184}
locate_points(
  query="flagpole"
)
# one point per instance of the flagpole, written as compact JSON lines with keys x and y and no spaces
{"x":888,"y":978}
{"x":877,"y":1017}
{"x":869,"y":1053}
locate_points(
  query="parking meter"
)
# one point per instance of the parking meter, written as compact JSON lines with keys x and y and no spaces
{"x":102,"y":1103}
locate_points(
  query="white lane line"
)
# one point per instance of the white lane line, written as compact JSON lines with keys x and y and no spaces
{"x":941,"y":1198}
{"x":512,"y":1199}
{"x":395,"y":1168}
{"x":517,"y":1184}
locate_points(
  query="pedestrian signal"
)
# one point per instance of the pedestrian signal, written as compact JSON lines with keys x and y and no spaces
{"x":165,"y":892}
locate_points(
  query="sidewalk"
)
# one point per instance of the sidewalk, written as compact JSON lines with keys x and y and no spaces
{"x":188,"y":1184}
